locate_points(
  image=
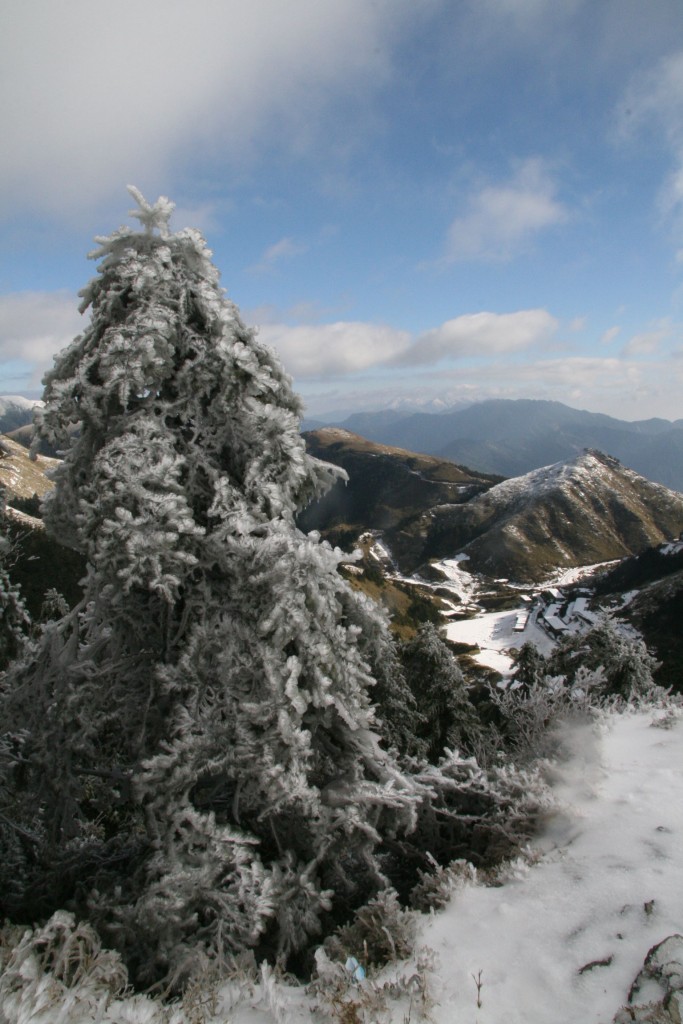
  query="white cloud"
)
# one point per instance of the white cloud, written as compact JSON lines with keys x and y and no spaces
{"x":500,"y":220}
{"x":99,"y":94}
{"x":655,"y":96}
{"x":609,"y":335}
{"x":339,"y":348}
{"x":647,"y":342}
{"x":285,"y":249}
{"x":204,"y":216}
{"x":34,"y":326}
{"x":349,"y":347}
{"x":617,"y":386}
{"x":481,"y":334}
{"x":654,"y":99}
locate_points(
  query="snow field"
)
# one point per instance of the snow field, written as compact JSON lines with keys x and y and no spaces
{"x":609,"y":887}
{"x":494,"y":633}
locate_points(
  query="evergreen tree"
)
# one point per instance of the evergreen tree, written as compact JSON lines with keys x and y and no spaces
{"x":14,"y":618}
{"x":202,"y":741}
{"x":626,"y":663}
{"x":446,"y":717}
{"x":530,"y":666}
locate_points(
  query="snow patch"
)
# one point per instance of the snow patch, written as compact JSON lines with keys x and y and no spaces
{"x":495,"y":634}
{"x":460,"y":582}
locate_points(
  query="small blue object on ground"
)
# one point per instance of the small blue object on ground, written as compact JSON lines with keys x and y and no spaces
{"x":355,"y":969}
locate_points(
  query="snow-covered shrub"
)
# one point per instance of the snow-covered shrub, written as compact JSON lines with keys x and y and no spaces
{"x":623,"y":657}
{"x":202,"y":749}
{"x":381,"y":931}
{"x":401,"y":991}
{"x":59,"y":971}
{"x":529,"y":715}
{"x":483,"y":816}
{"x":436,"y":887}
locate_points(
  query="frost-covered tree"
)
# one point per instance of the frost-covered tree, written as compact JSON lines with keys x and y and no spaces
{"x":627,"y":665}
{"x":201,"y":736}
{"x":14,"y":618}
{"x":445,"y":716}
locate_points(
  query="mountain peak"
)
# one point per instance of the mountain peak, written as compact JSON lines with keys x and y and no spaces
{"x":581,"y":511}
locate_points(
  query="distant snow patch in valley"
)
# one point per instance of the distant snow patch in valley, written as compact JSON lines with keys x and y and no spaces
{"x":494,"y":633}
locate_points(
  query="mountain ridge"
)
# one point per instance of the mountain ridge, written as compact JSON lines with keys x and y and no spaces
{"x":580,"y":511}
{"x":386,"y":485}
{"x":510,"y":437}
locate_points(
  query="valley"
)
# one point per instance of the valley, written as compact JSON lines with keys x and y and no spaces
{"x":540,"y":615}
{"x":503,"y":563}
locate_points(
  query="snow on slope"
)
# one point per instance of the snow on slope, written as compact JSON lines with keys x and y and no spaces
{"x":21,"y":476}
{"x":8,"y":403}
{"x":579,"y":473}
{"x":560,"y":942}
{"x":608,"y":889}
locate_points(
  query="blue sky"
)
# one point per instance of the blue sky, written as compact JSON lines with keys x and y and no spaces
{"x":416,"y":201}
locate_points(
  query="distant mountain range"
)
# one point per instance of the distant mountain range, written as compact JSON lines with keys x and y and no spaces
{"x":502,"y":437}
{"x":511,"y":437}
{"x":577,"y":511}
{"x":581,"y":511}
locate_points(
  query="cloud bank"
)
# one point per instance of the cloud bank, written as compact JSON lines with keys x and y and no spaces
{"x":480,"y":334}
{"x":360,"y":365}
{"x":338,"y":348}
{"x":344,"y":347}
{"x":95,"y":94}
{"x":34,"y":326}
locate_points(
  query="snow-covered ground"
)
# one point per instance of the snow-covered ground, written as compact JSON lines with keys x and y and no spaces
{"x":570,"y":577}
{"x":609,"y":887}
{"x":494,"y":633}
{"x":559,"y":942}
{"x":462,"y":584}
